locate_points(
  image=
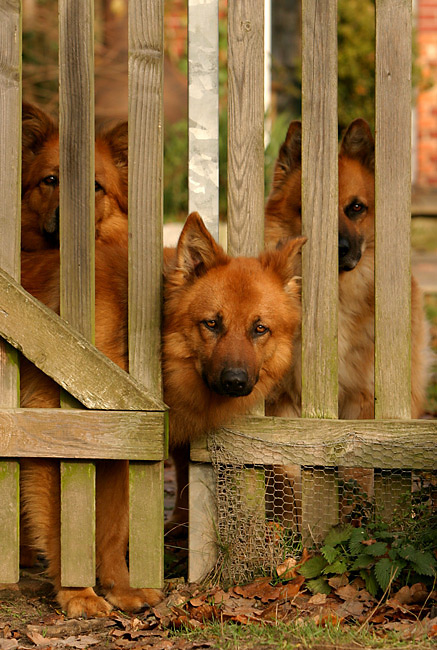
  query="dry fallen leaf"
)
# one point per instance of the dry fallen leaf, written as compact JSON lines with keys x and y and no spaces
{"x":8,"y":644}
{"x":287,"y":569}
{"x":317,"y":599}
{"x":348,"y":592}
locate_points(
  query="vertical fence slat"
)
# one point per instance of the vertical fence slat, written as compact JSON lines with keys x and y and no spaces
{"x":319,"y":224}
{"x":202,"y":532}
{"x":319,"y":208}
{"x":203,"y":110}
{"x":392,"y":227}
{"x":77,"y":227}
{"x":246,"y":173}
{"x":393,"y":209}
{"x":146,"y":36}
{"x":10,"y":209}
{"x":203,"y":197}
{"x":245,"y":127}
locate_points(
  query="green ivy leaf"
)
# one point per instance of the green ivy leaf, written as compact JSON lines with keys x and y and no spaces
{"x":329,"y":553}
{"x":319,"y":586}
{"x":371,"y":584}
{"x":356,"y":539}
{"x":338,"y":567}
{"x":338,"y":535}
{"x":384,"y":571}
{"x":313,"y":567}
{"x":424,"y":563}
{"x":378,"y":548}
{"x":408,"y":552}
{"x":362,"y":562}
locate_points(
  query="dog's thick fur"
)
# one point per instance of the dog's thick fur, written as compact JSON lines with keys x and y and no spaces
{"x":224,"y":318}
{"x":40,"y":480}
{"x":356,"y":223}
{"x":210,"y":373}
{"x":40,"y":181}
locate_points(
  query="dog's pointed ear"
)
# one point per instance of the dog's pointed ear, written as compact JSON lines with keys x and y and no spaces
{"x":358,"y":143}
{"x":284,"y":262}
{"x":197,"y":251}
{"x":290,"y":154}
{"x":117,"y":140}
{"x":37,"y":128}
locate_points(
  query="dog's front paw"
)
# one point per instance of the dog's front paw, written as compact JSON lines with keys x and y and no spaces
{"x":132,"y":600}
{"x":82,"y":602}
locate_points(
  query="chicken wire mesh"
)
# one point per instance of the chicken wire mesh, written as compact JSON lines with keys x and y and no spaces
{"x":268,"y":512}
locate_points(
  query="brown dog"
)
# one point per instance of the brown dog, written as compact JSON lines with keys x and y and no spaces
{"x":356,"y":225}
{"x":227,"y":327}
{"x":40,"y":181}
{"x":228,"y":324}
{"x":40,"y":480}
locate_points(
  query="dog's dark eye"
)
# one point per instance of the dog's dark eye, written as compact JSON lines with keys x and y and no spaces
{"x":51,"y":181}
{"x":355,"y":209}
{"x":260,"y":329}
{"x":210,"y":324}
{"x":98,"y":187}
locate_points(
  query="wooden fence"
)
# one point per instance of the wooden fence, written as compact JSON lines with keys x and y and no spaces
{"x":126,"y":417}
{"x":129,"y":420}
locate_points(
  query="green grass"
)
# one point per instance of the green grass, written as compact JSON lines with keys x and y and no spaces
{"x":304,"y":634}
{"x":424,"y":234}
{"x":431,"y":314}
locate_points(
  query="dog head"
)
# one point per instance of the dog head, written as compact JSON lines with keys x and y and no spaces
{"x":228,"y":324}
{"x":40,"y":181}
{"x":356,"y":192}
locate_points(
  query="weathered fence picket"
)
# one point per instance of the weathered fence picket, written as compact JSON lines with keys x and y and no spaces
{"x":146,"y":57}
{"x":77,"y":286}
{"x":10,"y":210}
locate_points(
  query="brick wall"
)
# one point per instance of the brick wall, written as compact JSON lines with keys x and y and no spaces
{"x":426,"y":105}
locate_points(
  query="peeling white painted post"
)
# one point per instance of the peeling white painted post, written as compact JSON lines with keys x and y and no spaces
{"x":203,"y":197}
{"x":203,"y":112}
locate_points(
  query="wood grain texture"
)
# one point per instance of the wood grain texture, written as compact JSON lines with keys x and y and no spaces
{"x":393,"y":209}
{"x":349,"y":443}
{"x":68,"y":433}
{"x":78,"y":521}
{"x":202,"y":531}
{"x":146,"y":525}
{"x":245,"y":127}
{"x":76,"y":163}
{"x":203,"y":109}
{"x":65,"y":355}
{"x":9,"y":521}
{"x":10,"y":210}
{"x":319,"y":209}
{"x":146,"y":55}
{"x":77,"y":286}
{"x":145,"y":189}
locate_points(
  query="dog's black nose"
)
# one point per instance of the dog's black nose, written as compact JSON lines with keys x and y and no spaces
{"x":235,"y":382}
{"x":343,"y":247}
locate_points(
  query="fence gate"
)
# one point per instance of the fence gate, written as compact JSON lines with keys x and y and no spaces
{"x":126,"y":418}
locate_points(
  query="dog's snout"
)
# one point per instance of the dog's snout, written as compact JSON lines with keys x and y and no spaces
{"x":343,"y":247}
{"x":235,"y":382}
{"x":349,"y":253}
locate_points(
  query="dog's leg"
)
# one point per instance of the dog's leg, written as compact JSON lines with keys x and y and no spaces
{"x":112,"y":538}
{"x":40,"y":496}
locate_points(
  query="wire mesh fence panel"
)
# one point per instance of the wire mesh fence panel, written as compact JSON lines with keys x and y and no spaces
{"x":254,"y":535}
